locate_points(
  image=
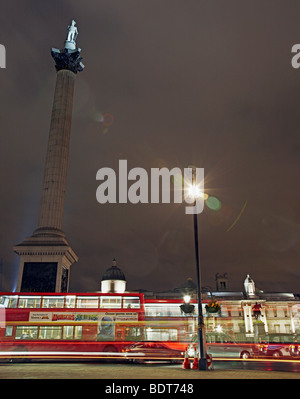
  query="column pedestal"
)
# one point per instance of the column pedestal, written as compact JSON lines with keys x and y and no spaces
{"x":44,"y":264}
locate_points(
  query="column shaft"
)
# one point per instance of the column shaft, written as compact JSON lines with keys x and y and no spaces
{"x":55,"y":173}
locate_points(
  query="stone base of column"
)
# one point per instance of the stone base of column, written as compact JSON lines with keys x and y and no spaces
{"x":45,"y":262}
{"x":48,"y":232}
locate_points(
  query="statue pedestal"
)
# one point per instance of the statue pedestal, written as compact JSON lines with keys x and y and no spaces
{"x":45,"y":263}
{"x":70,"y":45}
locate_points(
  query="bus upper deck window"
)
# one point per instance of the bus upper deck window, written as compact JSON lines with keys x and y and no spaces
{"x":111,"y":302}
{"x":29,"y":302}
{"x":87,"y":302}
{"x":9,"y":301}
{"x":70,"y":301}
{"x":53,"y":302}
{"x":131,"y":302}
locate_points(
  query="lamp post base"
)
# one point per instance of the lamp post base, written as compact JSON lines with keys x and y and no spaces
{"x":202,"y":364}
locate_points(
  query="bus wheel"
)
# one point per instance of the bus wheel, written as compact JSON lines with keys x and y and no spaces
{"x":245,"y":355}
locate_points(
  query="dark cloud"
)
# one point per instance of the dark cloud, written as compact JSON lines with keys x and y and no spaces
{"x":205,"y":83}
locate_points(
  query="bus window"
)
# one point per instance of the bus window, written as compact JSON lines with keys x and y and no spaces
{"x":78,"y":332}
{"x":9,"y":331}
{"x":87,"y":302}
{"x":26,"y":332}
{"x":13,"y":300}
{"x":53,"y":302}
{"x":29,"y":302}
{"x":8,"y":301}
{"x":50,"y":332}
{"x":5,"y":301}
{"x":161,"y":334}
{"x":70,"y":301}
{"x":68,"y":332}
{"x":133,"y":333}
{"x":131,"y":302}
{"x":110,"y":302}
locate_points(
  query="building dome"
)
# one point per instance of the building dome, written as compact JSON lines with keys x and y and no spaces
{"x":113,"y":279}
{"x":113,"y":273}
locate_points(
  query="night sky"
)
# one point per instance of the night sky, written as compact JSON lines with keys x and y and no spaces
{"x":208,"y":83}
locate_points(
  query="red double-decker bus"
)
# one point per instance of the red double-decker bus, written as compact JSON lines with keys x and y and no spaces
{"x":72,"y":325}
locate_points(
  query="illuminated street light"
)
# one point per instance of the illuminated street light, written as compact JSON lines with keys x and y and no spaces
{"x":194,"y":192}
{"x":187,"y":299}
{"x":187,"y":307}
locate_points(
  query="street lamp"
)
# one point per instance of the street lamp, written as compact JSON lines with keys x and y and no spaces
{"x":187,"y":307}
{"x":195,"y":193}
{"x":187,"y":299}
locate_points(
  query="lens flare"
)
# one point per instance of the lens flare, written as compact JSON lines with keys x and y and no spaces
{"x":239,"y":215}
{"x":108,"y":119}
{"x":194,"y":191}
{"x":213,"y":203}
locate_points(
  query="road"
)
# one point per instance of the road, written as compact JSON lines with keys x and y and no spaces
{"x":271,"y":365}
{"x":97,"y":370}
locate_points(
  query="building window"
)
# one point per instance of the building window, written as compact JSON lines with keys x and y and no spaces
{"x":277,"y":328}
{"x":224,"y":311}
{"x":288,"y":328}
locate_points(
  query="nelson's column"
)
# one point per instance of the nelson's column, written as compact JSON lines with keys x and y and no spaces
{"x":46,"y":256}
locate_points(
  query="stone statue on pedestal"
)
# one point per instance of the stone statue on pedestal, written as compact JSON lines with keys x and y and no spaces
{"x":69,"y":57}
{"x":72,"y":36}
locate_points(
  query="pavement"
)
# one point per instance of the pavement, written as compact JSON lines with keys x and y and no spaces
{"x":130,"y":372}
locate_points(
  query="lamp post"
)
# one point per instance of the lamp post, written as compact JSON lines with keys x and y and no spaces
{"x":200,"y":326}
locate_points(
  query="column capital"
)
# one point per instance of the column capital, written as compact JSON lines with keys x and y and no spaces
{"x":67,"y":59}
